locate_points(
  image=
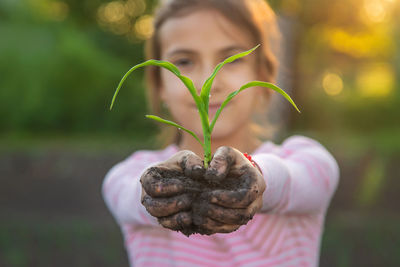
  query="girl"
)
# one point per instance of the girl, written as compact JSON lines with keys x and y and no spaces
{"x":276,"y":216}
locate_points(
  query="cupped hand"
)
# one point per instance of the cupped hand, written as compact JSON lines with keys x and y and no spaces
{"x":236,"y":195}
{"x":168,"y":189}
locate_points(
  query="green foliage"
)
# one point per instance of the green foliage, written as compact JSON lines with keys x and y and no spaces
{"x":55,"y":78}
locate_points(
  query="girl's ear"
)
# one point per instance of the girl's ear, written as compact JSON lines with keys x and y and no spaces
{"x":263,"y":75}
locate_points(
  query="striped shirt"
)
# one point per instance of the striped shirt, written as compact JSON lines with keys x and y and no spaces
{"x":301,"y":176}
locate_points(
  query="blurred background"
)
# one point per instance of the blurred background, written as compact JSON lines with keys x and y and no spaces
{"x":61,"y":60}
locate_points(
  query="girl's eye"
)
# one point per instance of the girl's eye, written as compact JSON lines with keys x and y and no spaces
{"x":183,"y":62}
{"x":237,"y":61}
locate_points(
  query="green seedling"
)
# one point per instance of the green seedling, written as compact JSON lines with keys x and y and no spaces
{"x":202,"y":99}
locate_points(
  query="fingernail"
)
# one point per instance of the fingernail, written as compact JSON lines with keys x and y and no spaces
{"x":197,"y":168}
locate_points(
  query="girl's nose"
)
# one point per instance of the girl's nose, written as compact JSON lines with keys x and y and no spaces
{"x":204,"y":75}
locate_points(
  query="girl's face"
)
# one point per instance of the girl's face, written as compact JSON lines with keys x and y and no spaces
{"x":196,"y":43}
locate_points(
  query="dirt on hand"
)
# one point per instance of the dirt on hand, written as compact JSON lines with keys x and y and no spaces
{"x":189,"y":200}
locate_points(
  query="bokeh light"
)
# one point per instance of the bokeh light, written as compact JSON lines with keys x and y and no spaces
{"x":135,"y":8}
{"x":114,"y":11}
{"x":144,"y":27}
{"x":359,"y":44}
{"x":376,"y":80}
{"x":332,"y":84}
{"x":119,"y":18}
{"x":374,"y":10}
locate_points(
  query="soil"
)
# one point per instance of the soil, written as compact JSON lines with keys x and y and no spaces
{"x":199,"y":189}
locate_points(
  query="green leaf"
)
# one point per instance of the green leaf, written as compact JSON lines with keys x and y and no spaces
{"x":156,"y":118}
{"x":205,"y":90}
{"x":248,"y":85}
{"x":164,"y":64}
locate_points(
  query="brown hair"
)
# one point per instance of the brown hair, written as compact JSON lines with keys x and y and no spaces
{"x":255,"y":16}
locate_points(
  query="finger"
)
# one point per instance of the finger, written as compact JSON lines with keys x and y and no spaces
{"x":192,"y":166}
{"x":157,"y":185}
{"x":187,"y":162}
{"x":211,"y":226}
{"x":220,"y":164}
{"x":177,"y":221}
{"x":240,"y":198}
{"x":161,"y":207}
{"x":232,"y":216}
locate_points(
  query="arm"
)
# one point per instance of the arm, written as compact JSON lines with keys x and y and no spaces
{"x":301,"y":178}
{"x":122,"y":192}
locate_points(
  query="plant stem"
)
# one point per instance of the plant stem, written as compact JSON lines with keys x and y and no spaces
{"x":205,"y":123}
{"x":207,"y":150}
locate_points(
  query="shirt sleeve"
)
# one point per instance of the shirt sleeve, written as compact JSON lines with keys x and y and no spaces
{"x":122,"y":191}
{"x":301,"y":177}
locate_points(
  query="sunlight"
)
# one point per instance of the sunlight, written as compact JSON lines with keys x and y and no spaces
{"x":144,"y":27}
{"x":134,"y":8}
{"x":114,"y":11}
{"x":376,"y":11}
{"x":376,"y":80}
{"x":376,"y":42}
{"x":332,"y":84}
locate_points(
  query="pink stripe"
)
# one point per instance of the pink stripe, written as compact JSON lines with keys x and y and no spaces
{"x":284,"y":203}
{"x":310,"y":170}
{"x":282,"y":237}
{"x":295,"y":241}
{"x":252,"y":245}
{"x":299,"y":244}
{"x":115,"y":197}
{"x":186,"y":249}
{"x":297,"y":232}
{"x":129,"y":240}
{"x":144,"y":217}
{"x":205,"y":242}
{"x":287,"y":152}
{"x":269,"y":262}
{"x":255,"y":226}
{"x":275,"y":236}
{"x":265,"y":252}
{"x":310,"y":228}
{"x":153,"y":254}
{"x":261,"y":230}
{"x":150,"y":263}
{"x":323,"y":169}
{"x":265,"y":236}
{"x":176,"y":258}
{"x":223,"y":256}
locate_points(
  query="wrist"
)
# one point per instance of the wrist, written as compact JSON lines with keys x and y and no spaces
{"x":252,"y":162}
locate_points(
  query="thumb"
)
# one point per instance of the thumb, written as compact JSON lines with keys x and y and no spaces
{"x":221,"y":163}
{"x":187,"y":162}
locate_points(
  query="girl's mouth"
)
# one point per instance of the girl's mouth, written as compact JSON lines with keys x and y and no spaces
{"x":212,"y":108}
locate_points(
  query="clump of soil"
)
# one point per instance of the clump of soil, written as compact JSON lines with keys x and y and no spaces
{"x":199,"y":190}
